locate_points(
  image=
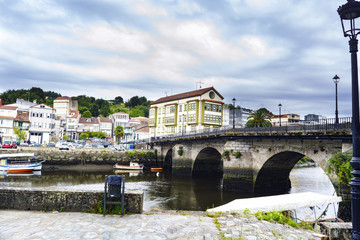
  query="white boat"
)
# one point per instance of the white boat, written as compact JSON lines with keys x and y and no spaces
{"x":133,"y":166}
{"x":15,"y":163}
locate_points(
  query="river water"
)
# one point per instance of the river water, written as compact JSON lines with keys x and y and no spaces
{"x":163,"y":191}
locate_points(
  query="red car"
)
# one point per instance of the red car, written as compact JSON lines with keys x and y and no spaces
{"x":9,"y":144}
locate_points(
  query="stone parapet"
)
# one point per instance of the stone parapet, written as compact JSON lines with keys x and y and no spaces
{"x":54,"y":156}
{"x":336,"y":230}
{"x":69,"y":201}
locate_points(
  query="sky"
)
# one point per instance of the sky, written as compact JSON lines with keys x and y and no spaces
{"x":260,"y":52}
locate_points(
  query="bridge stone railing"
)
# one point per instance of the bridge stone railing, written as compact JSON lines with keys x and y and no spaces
{"x":305,"y":127}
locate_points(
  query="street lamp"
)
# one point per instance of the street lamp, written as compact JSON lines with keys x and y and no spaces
{"x":336,"y":80}
{"x":349,"y":12}
{"x":280,"y":114}
{"x":233,"y":100}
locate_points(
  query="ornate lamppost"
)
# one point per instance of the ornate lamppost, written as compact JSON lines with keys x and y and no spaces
{"x":233,"y":100}
{"x":349,"y":12}
{"x":336,"y":80}
{"x":280,"y":114}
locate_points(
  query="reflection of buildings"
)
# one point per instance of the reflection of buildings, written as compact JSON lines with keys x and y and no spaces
{"x":186,"y":112}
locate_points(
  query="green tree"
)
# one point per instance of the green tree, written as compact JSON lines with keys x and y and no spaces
{"x":84,"y":136}
{"x":83,"y":109}
{"x":21,"y":134}
{"x":105,"y":110}
{"x":94,"y":109}
{"x":119,"y":100}
{"x":65,"y":137}
{"x":340,"y":165}
{"x":259,"y":118}
{"x":136,"y":112}
{"x":119,"y":132}
{"x":86,"y":114}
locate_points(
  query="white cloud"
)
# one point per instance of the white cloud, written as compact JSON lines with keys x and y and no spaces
{"x":113,"y":38}
{"x":144,"y":8}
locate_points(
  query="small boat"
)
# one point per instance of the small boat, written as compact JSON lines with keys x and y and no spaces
{"x":133,"y":166}
{"x":156,"y":169}
{"x":15,"y":163}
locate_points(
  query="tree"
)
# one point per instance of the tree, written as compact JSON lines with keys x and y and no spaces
{"x":84,"y":135}
{"x":259,"y":118}
{"x":119,"y":132}
{"x":65,"y":137}
{"x":21,"y":135}
{"x":94,"y":109}
{"x":340,"y":165}
{"x":105,"y":110}
{"x":136,"y":112}
{"x":264,"y":110}
{"x":119,"y":100}
{"x":83,"y":109}
{"x":86,"y":114}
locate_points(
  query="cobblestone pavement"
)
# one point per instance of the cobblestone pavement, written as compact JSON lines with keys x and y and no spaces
{"x":150,"y":225}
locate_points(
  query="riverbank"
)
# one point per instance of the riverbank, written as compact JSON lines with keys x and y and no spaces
{"x":149,"y":225}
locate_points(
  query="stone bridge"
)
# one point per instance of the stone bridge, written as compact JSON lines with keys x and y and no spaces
{"x":253,"y":164}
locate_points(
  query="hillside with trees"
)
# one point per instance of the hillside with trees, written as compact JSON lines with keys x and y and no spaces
{"x":88,"y":106}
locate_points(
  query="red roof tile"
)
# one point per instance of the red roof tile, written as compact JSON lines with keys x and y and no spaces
{"x":8,"y":107}
{"x":63,"y":98}
{"x":22,"y":116}
{"x":186,"y":95}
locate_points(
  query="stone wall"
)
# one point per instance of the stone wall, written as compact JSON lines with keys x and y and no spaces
{"x":70,"y":201}
{"x":53,"y":156}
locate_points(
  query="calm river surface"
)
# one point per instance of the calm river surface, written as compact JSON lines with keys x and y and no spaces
{"x":163,"y":191}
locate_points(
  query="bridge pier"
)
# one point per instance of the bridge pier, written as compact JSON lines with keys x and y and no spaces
{"x":238,"y":180}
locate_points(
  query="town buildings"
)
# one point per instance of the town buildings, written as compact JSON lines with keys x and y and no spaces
{"x":199,"y":110}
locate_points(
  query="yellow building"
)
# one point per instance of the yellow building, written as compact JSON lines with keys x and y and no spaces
{"x":199,"y":110}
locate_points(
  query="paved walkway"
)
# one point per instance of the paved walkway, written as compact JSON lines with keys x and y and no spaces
{"x":151,"y":225}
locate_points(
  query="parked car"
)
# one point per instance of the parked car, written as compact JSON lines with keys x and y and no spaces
{"x":36,"y":144}
{"x":64,"y":146}
{"x":50,"y":144}
{"x":9,"y":144}
{"x":24,"y":144}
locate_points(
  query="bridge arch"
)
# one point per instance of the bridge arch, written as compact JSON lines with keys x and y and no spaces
{"x":208,"y":163}
{"x":168,"y":160}
{"x":274,"y":175}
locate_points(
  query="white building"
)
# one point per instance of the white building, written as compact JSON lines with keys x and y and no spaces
{"x":286,"y":120}
{"x":88,"y":125}
{"x":106,"y":127}
{"x":7,"y":116}
{"x":121,"y":119}
{"x":42,"y":123}
{"x":72,"y":122}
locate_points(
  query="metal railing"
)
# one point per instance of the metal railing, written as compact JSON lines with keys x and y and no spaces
{"x":305,"y":127}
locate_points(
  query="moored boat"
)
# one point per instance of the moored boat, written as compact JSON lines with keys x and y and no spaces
{"x":15,"y":163}
{"x":156,"y":169}
{"x":132,"y":166}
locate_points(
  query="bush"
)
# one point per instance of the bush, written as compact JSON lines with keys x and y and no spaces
{"x":238,"y":154}
{"x":226,"y":154}
{"x":180,"y":151}
{"x":340,"y":165}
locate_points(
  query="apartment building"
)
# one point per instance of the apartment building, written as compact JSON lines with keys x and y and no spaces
{"x":42,"y":123}
{"x":7,"y":116}
{"x":199,"y":110}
